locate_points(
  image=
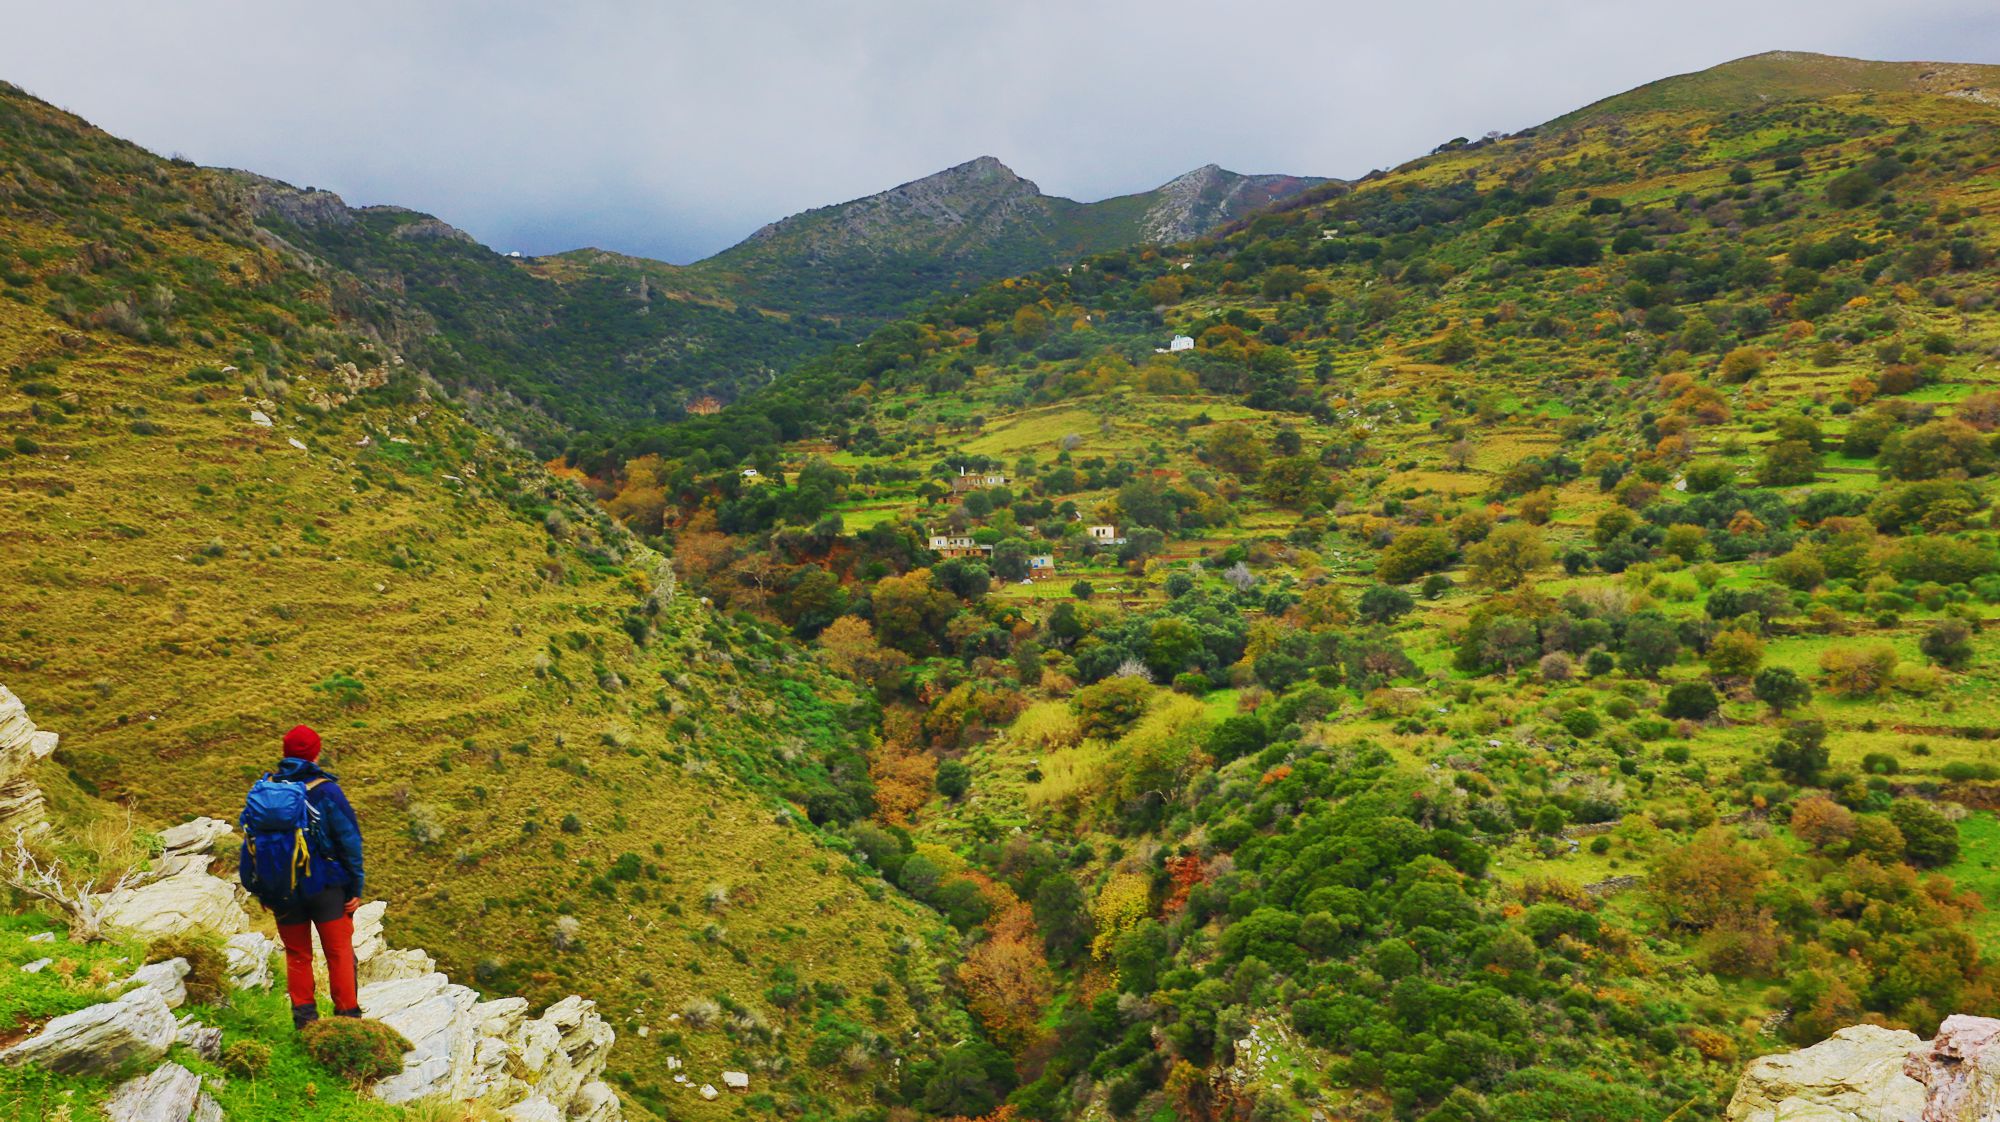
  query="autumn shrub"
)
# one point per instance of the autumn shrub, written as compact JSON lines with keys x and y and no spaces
{"x":1858,"y":671}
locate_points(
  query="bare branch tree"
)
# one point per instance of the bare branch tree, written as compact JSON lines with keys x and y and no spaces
{"x":84,"y":910}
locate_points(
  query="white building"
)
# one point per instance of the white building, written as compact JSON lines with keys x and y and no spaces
{"x":1180,"y":343}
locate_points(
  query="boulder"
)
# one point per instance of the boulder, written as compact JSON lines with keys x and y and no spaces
{"x":1856,"y":1074}
{"x":167,"y":1094}
{"x":537,"y":1109}
{"x":709,"y":1092}
{"x":595,"y":1102}
{"x":1960,"y":1070}
{"x":736,"y":1080}
{"x":249,"y":960}
{"x":136,"y":1027}
{"x":188,"y":901}
{"x":164,"y":977}
{"x":201,"y":1039}
{"x":37,"y":966}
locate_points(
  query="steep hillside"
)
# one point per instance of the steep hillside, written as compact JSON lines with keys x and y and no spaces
{"x":966,"y":224}
{"x":227,"y":505}
{"x":1505,"y":639}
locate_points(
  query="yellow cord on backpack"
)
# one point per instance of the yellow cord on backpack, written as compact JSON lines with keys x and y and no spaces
{"x":300,"y":856}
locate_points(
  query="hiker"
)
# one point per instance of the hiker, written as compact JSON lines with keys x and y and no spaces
{"x":301,"y":858}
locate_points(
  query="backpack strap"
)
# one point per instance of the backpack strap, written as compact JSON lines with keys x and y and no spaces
{"x":314,"y":783}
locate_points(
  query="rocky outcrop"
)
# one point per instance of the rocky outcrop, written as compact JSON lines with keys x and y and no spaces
{"x":1960,"y":1071}
{"x":463,"y":1048}
{"x":136,"y":1027}
{"x":190,"y":900}
{"x":1857,"y":1075}
{"x":1190,"y":205}
{"x":1867,"y":1073}
{"x":21,"y":746}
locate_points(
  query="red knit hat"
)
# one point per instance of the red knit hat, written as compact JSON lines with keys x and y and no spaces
{"x":302,"y":743}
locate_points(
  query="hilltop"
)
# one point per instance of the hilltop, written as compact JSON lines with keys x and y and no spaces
{"x":973,"y":222}
{"x":1759,"y":80}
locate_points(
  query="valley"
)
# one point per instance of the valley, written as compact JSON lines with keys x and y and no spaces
{"x":1504,"y":638}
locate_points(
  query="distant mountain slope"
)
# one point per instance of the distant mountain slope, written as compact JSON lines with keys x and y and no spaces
{"x":1790,"y":75}
{"x":973,"y":222}
{"x":572,"y":350}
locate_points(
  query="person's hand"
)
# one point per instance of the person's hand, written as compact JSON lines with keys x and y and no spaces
{"x":351,"y":905}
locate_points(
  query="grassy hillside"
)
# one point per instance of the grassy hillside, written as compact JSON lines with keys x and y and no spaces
{"x":1547,"y":657}
{"x":1758,"y":80}
{"x":225,"y":509}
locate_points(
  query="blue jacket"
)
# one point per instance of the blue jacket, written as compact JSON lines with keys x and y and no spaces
{"x":343,"y":829}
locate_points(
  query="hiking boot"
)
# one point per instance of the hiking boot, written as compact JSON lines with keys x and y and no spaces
{"x":347,"y":1012}
{"x":303,"y":1015}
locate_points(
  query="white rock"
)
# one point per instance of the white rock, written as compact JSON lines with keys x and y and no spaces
{"x":205,"y":1041}
{"x":190,"y":901}
{"x":708,"y":1091}
{"x":296,"y":443}
{"x":396,"y":965}
{"x":42,"y":937}
{"x":537,"y":1109}
{"x":430,"y":1013}
{"x":736,"y":1080}
{"x":37,"y":966}
{"x":206,"y":1109}
{"x":249,"y":960}
{"x":259,"y":418}
{"x":21,"y":746}
{"x":136,"y":1027}
{"x":1856,"y":1075}
{"x":368,"y":940}
{"x":595,"y":1102}
{"x":168,"y":1094}
{"x":164,"y":977}
{"x":196,"y":835}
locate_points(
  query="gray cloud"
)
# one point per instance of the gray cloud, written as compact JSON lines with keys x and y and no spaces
{"x":673,"y":129}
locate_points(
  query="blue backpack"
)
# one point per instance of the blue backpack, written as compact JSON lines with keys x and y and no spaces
{"x":285,"y":854}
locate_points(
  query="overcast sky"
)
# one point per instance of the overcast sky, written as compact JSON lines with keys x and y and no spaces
{"x":674,"y":129}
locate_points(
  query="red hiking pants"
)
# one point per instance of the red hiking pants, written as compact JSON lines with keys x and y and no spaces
{"x":336,"y":941}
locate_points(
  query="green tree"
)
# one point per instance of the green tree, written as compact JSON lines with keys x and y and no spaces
{"x":1929,"y":838}
{"x":1413,"y":553}
{"x":1800,"y":755}
{"x":1781,"y":689}
{"x":1508,"y":555}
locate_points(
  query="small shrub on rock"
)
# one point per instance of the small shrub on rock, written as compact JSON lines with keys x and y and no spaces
{"x":208,"y":966}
